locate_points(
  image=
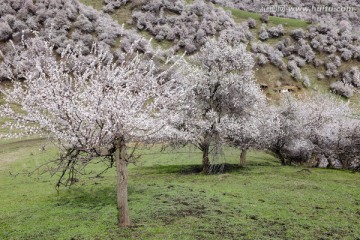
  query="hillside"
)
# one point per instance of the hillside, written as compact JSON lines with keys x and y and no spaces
{"x":291,"y":54}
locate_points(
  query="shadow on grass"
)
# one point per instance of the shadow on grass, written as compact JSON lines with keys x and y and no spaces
{"x":78,"y":196}
{"x":197,"y":169}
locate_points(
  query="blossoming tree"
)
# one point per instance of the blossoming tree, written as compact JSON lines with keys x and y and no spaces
{"x":221,"y":95}
{"x":91,"y":106}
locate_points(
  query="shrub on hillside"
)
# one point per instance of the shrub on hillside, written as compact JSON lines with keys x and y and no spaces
{"x":331,"y":70}
{"x":320,"y":76}
{"x":297,"y":34}
{"x":346,"y":54}
{"x":330,"y":49}
{"x":264,"y":18}
{"x":294,"y":70}
{"x":336,"y":60}
{"x":277,"y":31}
{"x":356,"y":52}
{"x":5,"y":31}
{"x":351,"y":77}
{"x":342,"y":89}
{"x":188,"y":27}
{"x":112,"y":5}
{"x":299,"y":61}
{"x":263,"y":34}
{"x":84,"y":24}
{"x":236,"y":35}
{"x":262,"y":59}
{"x":318,"y":62}
{"x":251,"y":23}
{"x":306,"y":52}
{"x":306,"y":81}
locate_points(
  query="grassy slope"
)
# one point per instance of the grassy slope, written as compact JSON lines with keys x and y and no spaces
{"x":288,"y":23}
{"x":170,"y":200}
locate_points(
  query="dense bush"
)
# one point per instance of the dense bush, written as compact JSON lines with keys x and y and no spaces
{"x":351,"y":77}
{"x":320,"y":76}
{"x":5,"y":31}
{"x":342,"y":89}
{"x":264,"y":18}
{"x":84,"y":24}
{"x":335,"y":60}
{"x":300,"y":62}
{"x":272,"y":54}
{"x":262,"y":59}
{"x":306,"y":81}
{"x":294,"y":70}
{"x":112,"y":5}
{"x":316,"y":131}
{"x":346,"y":54}
{"x":306,"y":52}
{"x":263,"y":34}
{"x":318,"y":62}
{"x":277,"y":31}
{"x":235,"y":35}
{"x":251,"y":23}
{"x":331,"y":70}
{"x":188,"y":25}
{"x":64,"y":24}
{"x":297,"y":34}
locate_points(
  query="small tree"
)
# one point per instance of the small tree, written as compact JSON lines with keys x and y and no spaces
{"x":263,"y":34}
{"x":91,"y":107}
{"x":255,"y":132}
{"x":251,"y":23}
{"x":220,"y":95}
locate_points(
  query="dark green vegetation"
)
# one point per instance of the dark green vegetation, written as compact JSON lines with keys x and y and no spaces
{"x":170,"y":199}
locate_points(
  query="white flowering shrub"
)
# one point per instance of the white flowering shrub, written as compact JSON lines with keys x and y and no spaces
{"x":294,"y":70}
{"x":277,"y":31}
{"x":251,"y":23}
{"x":188,"y":27}
{"x":297,"y":34}
{"x":331,"y":70}
{"x":262,"y":59}
{"x":342,"y":89}
{"x":306,"y":52}
{"x":5,"y":31}
{"x":306,"y":81}
{"x":263,"y":34}
{"x":112,"y":5}
{"x":346,"y":54}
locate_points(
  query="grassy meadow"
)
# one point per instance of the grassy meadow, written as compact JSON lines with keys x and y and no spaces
{"x":170,"y":199}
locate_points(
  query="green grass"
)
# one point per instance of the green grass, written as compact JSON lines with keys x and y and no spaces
{"x":289,"y":23}
{"x":169,"y":199}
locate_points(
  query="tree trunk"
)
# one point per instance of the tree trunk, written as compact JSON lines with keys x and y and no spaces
{"x":243,"y":158}
{"x":122,"y":185}
{"x":206,"y":162}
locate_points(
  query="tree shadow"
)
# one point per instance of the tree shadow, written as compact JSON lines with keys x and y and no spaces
{"x":78,"y":196}
{"x":195,"y":169}
{"x":173,"y":169}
